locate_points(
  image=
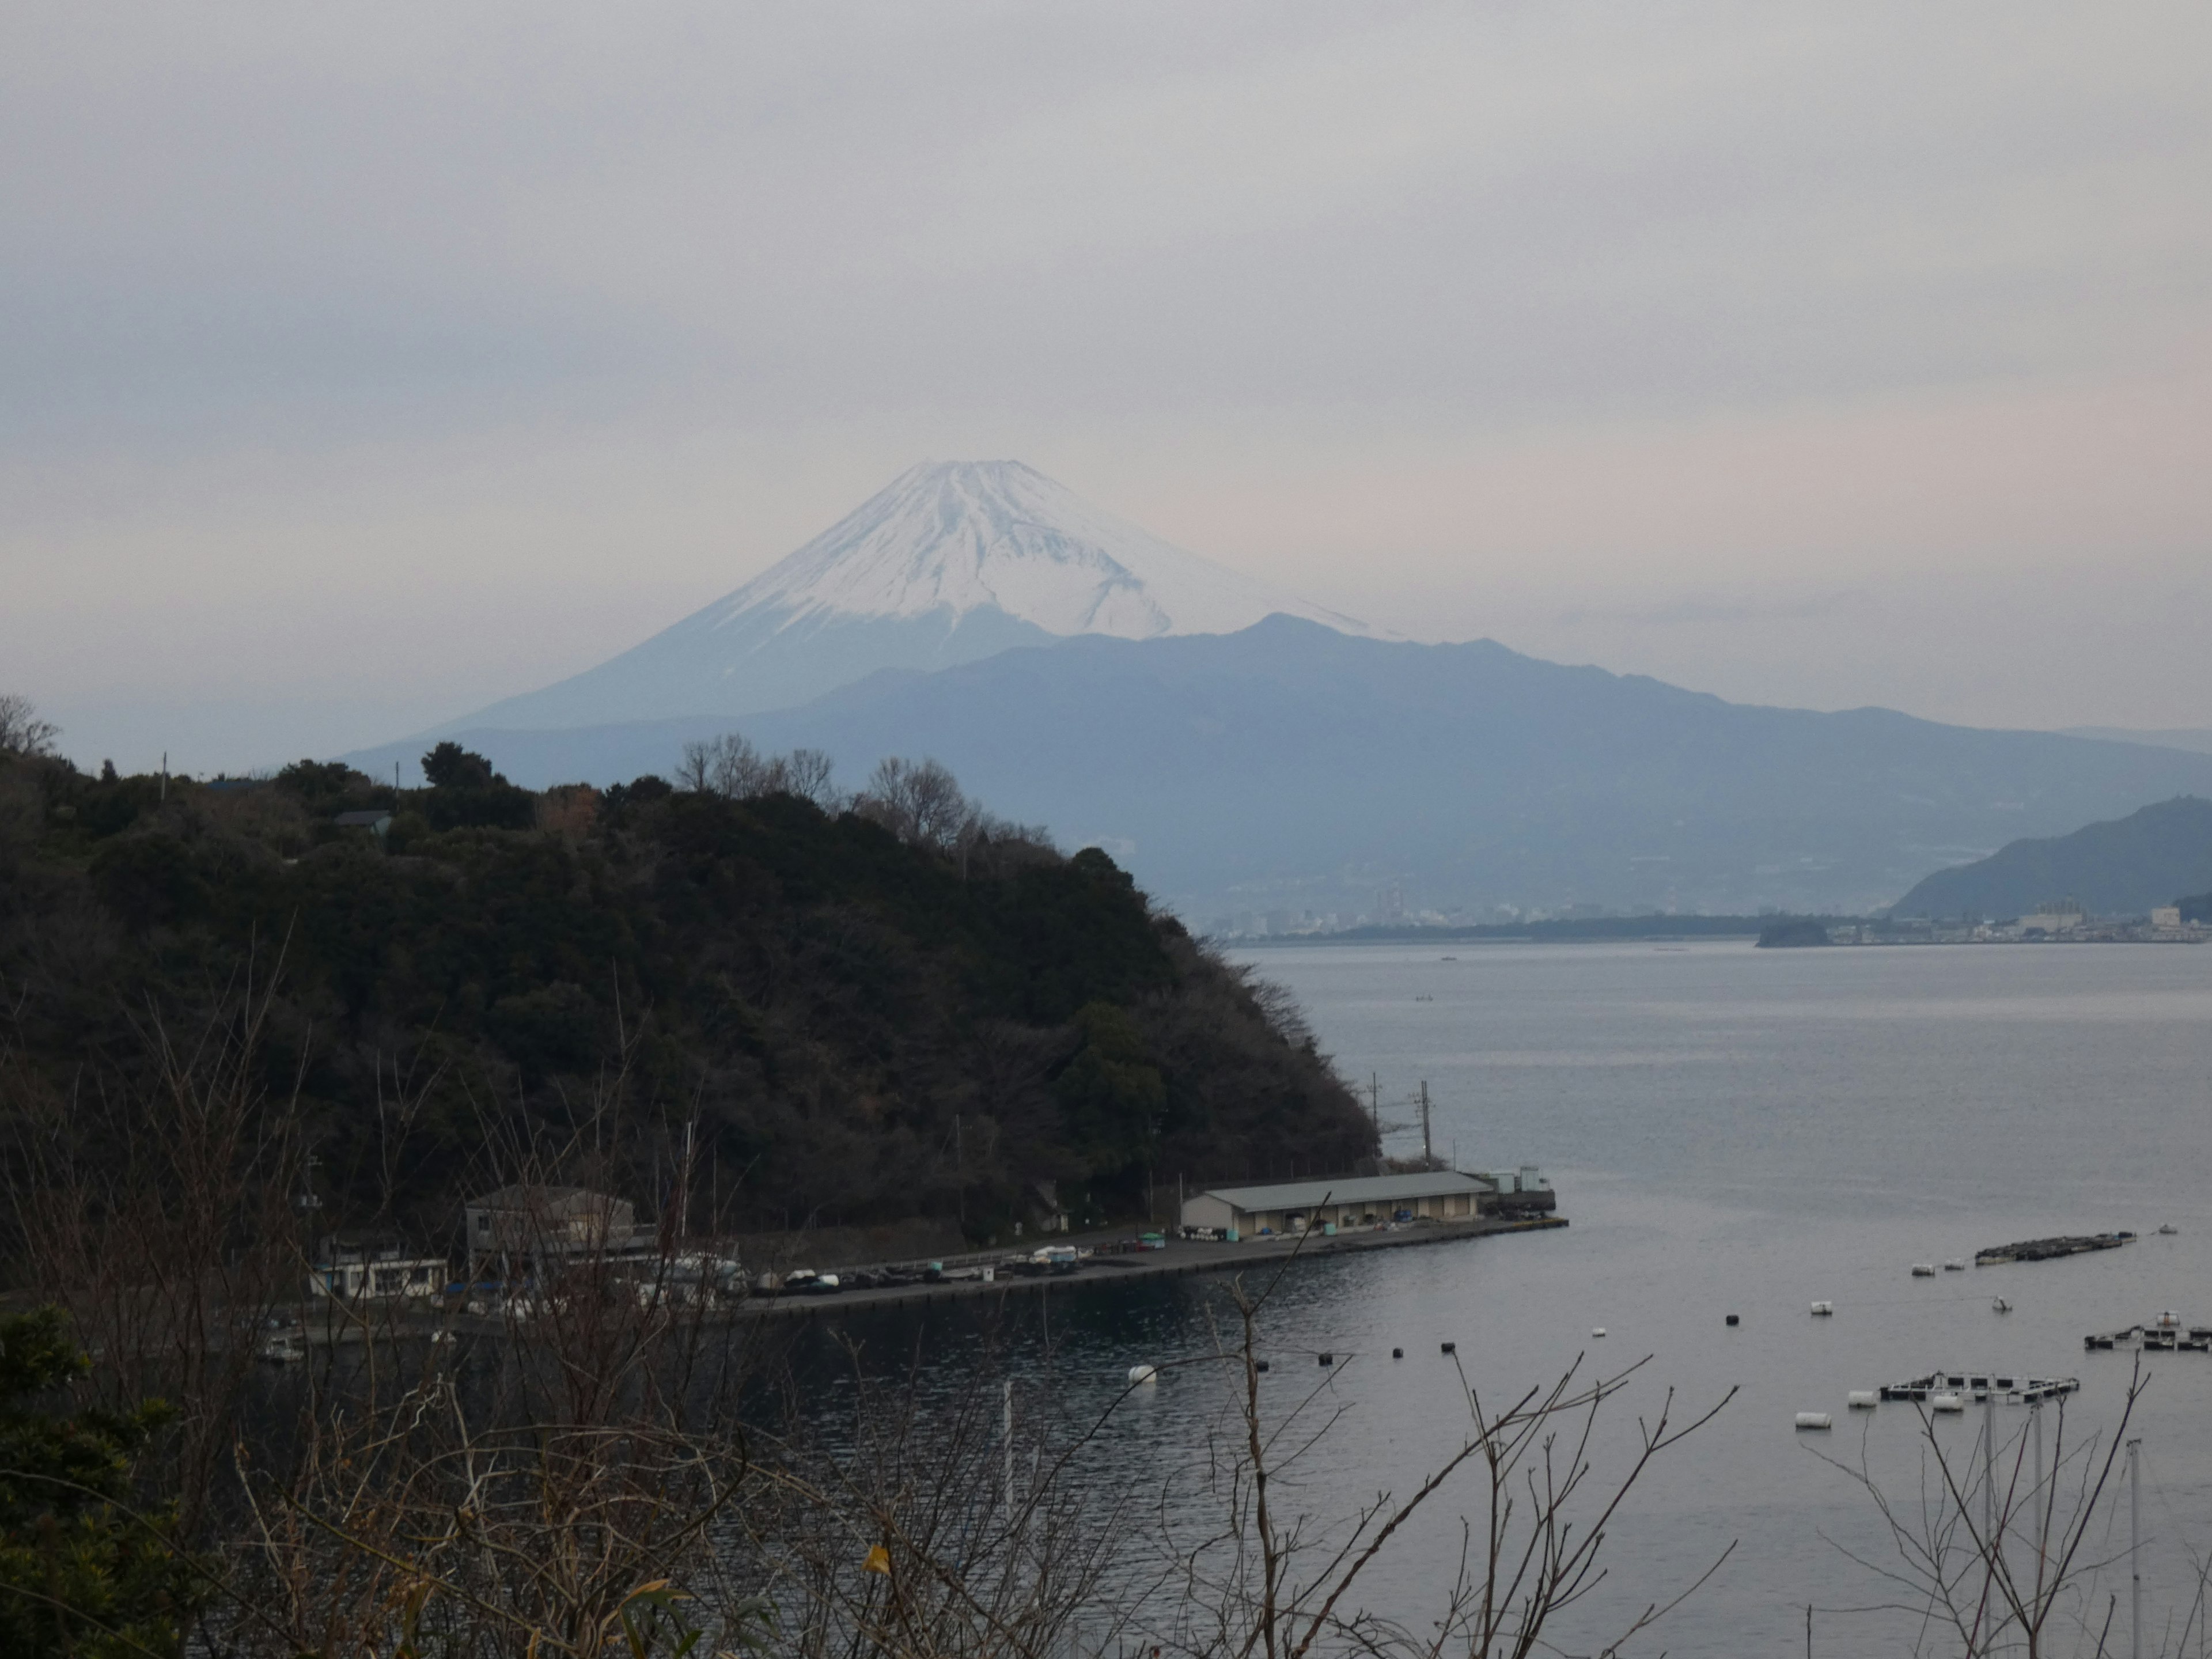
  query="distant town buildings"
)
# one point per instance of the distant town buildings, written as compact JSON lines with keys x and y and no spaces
{"x":2055,"y":916}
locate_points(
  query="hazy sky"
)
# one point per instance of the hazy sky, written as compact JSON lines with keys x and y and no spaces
{"x":359,"y":365}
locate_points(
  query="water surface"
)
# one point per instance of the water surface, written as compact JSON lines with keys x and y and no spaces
{"x":1735,"y":1131}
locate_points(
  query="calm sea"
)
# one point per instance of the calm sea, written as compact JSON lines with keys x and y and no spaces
{"x":1735,"y":1131}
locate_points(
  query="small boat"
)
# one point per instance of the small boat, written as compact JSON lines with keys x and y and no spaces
{"x":1823,"y":1310}
{"x":1954,"y":1265}
{"x":2168,"y":1228}
{"x":2000,"y":1305}
{"x":1924,"y":1270}
{"x":1597,"y":1330}
{"x":285,"y":1347}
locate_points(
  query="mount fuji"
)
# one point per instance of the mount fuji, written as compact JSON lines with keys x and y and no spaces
{"x":951,"y":563}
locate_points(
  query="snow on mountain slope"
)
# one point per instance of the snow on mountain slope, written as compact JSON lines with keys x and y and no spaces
{"x":951,"y":563}
{"x":953,"y":537}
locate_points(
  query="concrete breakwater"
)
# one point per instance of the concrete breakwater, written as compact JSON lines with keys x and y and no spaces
{"x":1180,"y":1256}
{"x":327,"y":1323}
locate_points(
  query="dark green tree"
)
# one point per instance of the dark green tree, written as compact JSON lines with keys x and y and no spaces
{"x":449,"y":766}
{"x":81,"y":1571}
{"x":466,"y":793}
{"x":1111,"y":1096}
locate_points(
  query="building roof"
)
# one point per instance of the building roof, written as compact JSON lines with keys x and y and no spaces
{"x":544,"y":1201}
{"x":1351,"y":1189}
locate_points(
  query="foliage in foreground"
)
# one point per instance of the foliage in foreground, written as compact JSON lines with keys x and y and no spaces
{"x":82,"y":1571}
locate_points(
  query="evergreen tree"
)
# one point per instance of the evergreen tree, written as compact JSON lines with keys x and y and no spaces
{"x":81,"y":1572}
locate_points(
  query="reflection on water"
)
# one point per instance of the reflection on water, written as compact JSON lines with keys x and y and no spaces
{"x":1732,"y":1132}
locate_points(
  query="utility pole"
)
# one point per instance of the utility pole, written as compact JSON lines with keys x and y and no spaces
{"x":165,"y":776}
{"x":2042,"y":1499}
{"x":1991,"y":1543}
{"x":2134,"y":1543}
{"x":684,"y":1213}
{"x":1008,"y":1429}
{"x":1428,"y":1146}
{"x":1375,"y":1104}
{"x":1989,"y":1473}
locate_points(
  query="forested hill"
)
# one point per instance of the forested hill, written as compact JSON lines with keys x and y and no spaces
{"x":860,"y":1010}
{"x":2156,"y":856}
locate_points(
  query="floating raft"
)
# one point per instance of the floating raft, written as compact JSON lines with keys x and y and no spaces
{"x":2162,"y":1332}
{"x":2050,"y":1249}
{"x":2005,"y":1388}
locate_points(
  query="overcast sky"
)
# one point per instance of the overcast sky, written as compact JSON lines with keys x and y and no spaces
{"x":360,"y":365}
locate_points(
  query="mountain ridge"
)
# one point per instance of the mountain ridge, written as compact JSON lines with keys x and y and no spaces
{"x":1289,"y":765}
{"x":950,"y":563}
{"x":2156,"y":855}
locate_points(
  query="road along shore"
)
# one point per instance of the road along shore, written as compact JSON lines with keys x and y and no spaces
{"x":1181,"y":1256}
{"x":326,"y":1324}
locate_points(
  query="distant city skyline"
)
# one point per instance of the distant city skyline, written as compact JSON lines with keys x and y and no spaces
{"x":365,"y":368}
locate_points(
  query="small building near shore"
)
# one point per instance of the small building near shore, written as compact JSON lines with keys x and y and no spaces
{"x":547,"y":1225}
{"x":359,"y":1269}
{"x":1352,"y":1202}
{"x":376,"y":820}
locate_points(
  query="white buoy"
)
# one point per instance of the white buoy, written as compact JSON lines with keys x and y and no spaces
{"x":1814,"y":1420}
{"x":1597,"y":1330}
{"x":1143,"y":1374}
{"x":1924,"y":1270}
{"x":1945,"y":1402}
{"x":2000,"y":1306}
{"x":1863,"y":1399}
{"x":1824,"y":1308}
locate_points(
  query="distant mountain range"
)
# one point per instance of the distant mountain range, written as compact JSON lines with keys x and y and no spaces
{"x":2157,"y":855}
{"x":2198,"y":739}
{"x":1291,"y":767}
{"x":1246,"y":752}
{"x":951,"y":561}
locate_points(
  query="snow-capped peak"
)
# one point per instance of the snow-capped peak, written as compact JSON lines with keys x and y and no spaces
{"x":948,"y":538}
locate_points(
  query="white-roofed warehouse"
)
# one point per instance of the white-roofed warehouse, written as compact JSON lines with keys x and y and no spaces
{"x":1353,"y":1200}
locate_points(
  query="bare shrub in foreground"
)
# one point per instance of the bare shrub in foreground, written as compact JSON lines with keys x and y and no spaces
{"x":1272,"y":1582}
{"x":2003,"y":1552}
{"x":164,"y":1226}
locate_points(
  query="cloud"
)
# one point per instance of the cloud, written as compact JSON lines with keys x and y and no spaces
{"x":508,"y":312}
